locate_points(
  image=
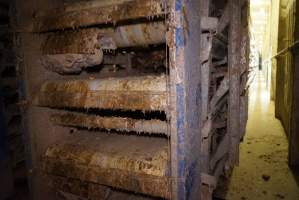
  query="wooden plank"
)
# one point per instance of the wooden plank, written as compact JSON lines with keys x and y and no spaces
{"x":219,"y":63}
{"x":221,"y":151}
{"x":206,"y":59}
{"x":115,"y":162}
{"x":220,"y":167}
{"x":209,"y":183}
{"x":185,"y":98}
{"x":221,"y":72}
{"x":151,"y":127}
{"x":205,"y":52}
{"x":209,"y":24}
{"x":145,"y":93}
{"x":220,"y":92}
{"x":68,"y":18}
{"x":234,"y":80}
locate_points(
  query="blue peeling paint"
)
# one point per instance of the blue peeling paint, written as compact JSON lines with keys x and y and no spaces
{"x":180,"y":39}
{"x":181,"y":190}
{"x":179,"y":32}
{"x":190,"y":179}
{"x":188,"y":97}
{"x":181,"y":168}
{"x":178,"y":5}
{"x":181,"y":139}
{"x":180,"y":113}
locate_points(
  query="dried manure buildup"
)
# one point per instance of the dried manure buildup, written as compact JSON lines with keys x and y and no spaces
{"x":132,"y":99}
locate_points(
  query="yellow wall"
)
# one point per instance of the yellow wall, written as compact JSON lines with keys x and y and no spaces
{"x":283,"y":72}
{"x":270,"y":46}
{"x":284,"y":75}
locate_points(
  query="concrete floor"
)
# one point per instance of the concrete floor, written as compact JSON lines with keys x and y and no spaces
{"x":263,"y":172}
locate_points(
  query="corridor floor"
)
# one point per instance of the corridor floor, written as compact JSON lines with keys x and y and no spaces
{"x":263,"y":173}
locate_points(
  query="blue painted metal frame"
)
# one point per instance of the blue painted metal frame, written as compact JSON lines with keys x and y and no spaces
{"x":185,"y":80}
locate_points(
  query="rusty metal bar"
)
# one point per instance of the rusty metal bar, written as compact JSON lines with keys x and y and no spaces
{"x":145,"y":93}
{"x":70,"y":63}
{"x":151,"y":127}
{"x":133,"y":35}
{"x":71,"y":51}
{"x":65,"y":18}
{"x":88,"y":41}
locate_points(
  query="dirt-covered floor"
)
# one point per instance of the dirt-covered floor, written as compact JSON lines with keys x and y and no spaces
{"x":263,"y":173}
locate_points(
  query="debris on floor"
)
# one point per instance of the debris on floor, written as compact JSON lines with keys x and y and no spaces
{"x":264,"y":173}
{"x":266,"y":177}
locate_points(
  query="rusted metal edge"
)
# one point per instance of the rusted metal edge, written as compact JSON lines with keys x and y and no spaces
{"x":144,"y":101}
{"x":115,"y":123}
{"x":136,"y":9}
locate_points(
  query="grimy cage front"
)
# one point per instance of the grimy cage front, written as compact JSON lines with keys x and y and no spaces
{"x":133,"y":98}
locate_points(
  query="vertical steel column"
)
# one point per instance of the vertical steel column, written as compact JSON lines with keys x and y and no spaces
{"x":234,"y":80}
{"x":206,"y":59}
{"x":244,"y":59}
{"x":177,"y":110}
{"x":185,"y":99}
